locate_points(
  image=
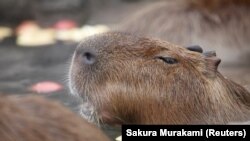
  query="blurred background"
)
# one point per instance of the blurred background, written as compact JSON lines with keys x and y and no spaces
{"x":38,"y":37}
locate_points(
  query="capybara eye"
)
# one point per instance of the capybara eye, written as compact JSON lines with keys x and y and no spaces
{"x":195,"y":48}
{"x":168,"y":60}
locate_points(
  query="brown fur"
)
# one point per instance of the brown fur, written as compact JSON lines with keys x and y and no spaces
{"x":221,"y":25}
{"x":33,"y":118}
{"x":212,"y":5}
{"x":129,"y":84}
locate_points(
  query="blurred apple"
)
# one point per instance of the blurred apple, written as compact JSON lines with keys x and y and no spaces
{"x":5,"y":32}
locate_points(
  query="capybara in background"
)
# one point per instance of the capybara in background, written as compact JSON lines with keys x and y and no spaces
{"x":33,"y":118}
{"x":221,"y":25}
{"x":132,"y":79}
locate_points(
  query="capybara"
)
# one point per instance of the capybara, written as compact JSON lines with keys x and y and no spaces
{"x":33,"y":118}
{"x":221,"y":25}
{"x":126,"y":78}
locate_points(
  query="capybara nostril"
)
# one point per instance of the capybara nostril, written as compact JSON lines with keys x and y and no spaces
{"x":89,"y":57}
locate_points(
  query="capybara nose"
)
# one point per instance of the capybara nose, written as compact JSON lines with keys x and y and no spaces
{"x":89,"y":57}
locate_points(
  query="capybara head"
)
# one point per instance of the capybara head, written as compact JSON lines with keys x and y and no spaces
{"x":131,"y":79}
{"x":33,"y":118}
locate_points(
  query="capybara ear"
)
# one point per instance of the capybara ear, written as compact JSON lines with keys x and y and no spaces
{"x":195,"y":48}
{"x":212,"y":62}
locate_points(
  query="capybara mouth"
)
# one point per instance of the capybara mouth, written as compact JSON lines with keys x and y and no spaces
{"x":87,"y":109}
{"x":88,"y":112}
{"x":98,"y":116}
